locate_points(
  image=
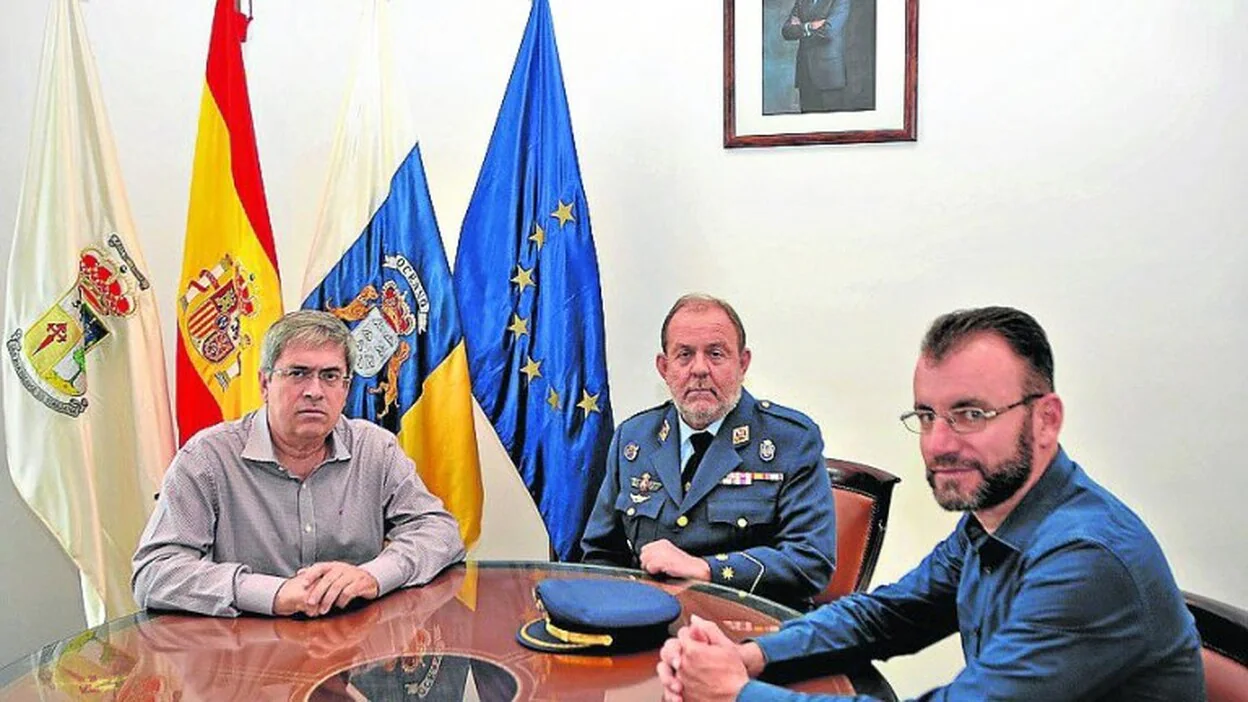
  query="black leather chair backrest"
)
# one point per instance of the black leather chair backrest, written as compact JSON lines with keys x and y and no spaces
{"x":1224,"y":638}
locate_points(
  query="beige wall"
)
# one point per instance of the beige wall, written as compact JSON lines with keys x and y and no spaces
{"x":1084,"y":161}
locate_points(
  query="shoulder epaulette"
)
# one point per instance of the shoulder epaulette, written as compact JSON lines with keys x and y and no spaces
{"x":787,"y":413}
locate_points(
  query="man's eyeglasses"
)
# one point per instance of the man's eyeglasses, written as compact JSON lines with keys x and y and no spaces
{"x":300,"y":375}
{"x":964,"y":420}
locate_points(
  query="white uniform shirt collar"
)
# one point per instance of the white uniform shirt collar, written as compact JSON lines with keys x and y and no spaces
{"x":686,"y":431}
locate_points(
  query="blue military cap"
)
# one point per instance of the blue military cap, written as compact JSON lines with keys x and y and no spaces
{"x":599,"y":616}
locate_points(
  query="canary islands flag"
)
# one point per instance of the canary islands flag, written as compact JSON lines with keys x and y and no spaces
{"x":526,"y":277}
{"x":229,"y":293}
{"x":86,"y":406}
{"x":378,"y":264}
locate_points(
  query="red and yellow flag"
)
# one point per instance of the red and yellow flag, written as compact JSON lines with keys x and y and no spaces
{"x":229,"y":292}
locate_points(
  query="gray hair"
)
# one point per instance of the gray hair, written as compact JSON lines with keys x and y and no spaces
{"x":306,"y":328}
{"x":702,"y":301}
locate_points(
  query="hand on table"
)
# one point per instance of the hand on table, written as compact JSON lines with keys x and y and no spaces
{"x":320,"y":587}
{"x":662,"y":557}
{"x":701,"y":662}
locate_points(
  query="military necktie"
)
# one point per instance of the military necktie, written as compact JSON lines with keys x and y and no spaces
{"x":700,"y":440}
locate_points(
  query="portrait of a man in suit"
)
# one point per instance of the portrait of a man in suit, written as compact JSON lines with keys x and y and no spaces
{"x":818,"y":56}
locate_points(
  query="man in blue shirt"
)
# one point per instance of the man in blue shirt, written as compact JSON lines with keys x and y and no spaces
{"x":1058,"y":590}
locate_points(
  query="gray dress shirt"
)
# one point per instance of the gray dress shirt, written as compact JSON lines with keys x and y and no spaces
{"x":231,"y":524}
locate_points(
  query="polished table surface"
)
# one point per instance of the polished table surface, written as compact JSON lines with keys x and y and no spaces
{"x":453,"y":639}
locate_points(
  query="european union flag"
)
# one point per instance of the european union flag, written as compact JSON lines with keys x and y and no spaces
{"x":526,"y":278}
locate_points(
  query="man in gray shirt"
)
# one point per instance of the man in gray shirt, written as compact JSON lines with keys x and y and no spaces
{"x":292,"y":509}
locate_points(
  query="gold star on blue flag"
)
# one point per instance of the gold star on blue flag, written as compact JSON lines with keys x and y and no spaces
{"x":526,"y":251}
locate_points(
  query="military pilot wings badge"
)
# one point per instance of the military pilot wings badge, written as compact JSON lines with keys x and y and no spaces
{"x":385,"y":327}
{"x":50,"y":356}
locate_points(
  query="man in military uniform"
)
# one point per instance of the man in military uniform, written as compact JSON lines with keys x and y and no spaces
{"x":715,"y":485}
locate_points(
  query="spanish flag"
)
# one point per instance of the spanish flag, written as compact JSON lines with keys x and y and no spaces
{"x":378,"y":264}
{"x":229,"y":292}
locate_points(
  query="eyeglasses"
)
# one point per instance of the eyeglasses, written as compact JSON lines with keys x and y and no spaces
{"x":964,"y":420}
{"x":300,"y":375}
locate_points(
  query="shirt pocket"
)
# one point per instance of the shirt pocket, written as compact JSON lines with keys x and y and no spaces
{"x":741,"y":514}
{"x":640,"y":519}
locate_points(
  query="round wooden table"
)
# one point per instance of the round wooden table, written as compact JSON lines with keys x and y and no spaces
{"x":453,"y":639}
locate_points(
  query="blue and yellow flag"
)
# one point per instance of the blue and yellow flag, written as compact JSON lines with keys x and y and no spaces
{"x":526,"y":277}
{"x":378,"y":264}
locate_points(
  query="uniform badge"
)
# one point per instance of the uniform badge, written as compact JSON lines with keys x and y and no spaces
{"x":767,"y":450}
{"x":664,"y":431}
{"x":741,"y":435}
{"x":630,"y":451}
{"x":645,"y":485}
{"x":638,"y":499}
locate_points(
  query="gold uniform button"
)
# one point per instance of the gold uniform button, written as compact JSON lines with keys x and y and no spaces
{"x":742,"y":522}
{"x":765,"y":404}
{"x":631,"y":511}
{"x":682,"y":520}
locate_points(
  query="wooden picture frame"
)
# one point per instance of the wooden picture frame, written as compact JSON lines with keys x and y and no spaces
{"x":855,"y":60}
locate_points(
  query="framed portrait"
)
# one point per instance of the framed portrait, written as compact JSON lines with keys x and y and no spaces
{"x":820,"y":72}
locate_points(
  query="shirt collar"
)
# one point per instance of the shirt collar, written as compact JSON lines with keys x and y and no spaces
{"x":687,"y":431}
{"x":259,"y":443}
{"x":1021,"y":523}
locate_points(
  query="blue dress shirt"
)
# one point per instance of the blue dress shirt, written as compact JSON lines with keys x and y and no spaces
{"x":1070,"y":599}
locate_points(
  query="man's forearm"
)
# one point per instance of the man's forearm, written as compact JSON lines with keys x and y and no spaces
{"x":753,"y":658}
{"x":417,"y":552}
{"x":190,"y":584}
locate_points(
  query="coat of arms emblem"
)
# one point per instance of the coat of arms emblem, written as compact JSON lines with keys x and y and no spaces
{"x":50,"y":356}
{"x":213,"y":307}
{"x":386,"y":327}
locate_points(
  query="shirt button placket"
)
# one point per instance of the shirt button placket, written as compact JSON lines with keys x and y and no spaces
{"x":307,"y":517}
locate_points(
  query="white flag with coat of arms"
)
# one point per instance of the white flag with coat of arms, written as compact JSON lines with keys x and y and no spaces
{"x":86,"y":403}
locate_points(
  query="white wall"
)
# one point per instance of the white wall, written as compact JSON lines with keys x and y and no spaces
{"x":1084,"y":161}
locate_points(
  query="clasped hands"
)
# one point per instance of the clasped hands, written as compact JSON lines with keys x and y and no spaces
{"x":702,"y":663}
{"x":320,"y":587}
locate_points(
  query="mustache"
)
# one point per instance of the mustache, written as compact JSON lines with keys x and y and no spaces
{"x":953,"y":460}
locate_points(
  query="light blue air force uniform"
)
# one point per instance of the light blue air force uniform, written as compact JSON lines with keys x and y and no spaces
{"x":758,"y":509}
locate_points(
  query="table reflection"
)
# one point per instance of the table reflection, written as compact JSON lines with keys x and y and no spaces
{"x":434,"y":676}
{"x":453,"y":639}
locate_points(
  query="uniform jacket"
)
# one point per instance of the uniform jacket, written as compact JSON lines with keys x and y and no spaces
{"x":759,"y":508}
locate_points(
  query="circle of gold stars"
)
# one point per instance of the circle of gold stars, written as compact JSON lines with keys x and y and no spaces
{"x":519,"y":326}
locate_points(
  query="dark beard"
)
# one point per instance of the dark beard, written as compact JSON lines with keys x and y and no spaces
{"x":997,"y":486}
